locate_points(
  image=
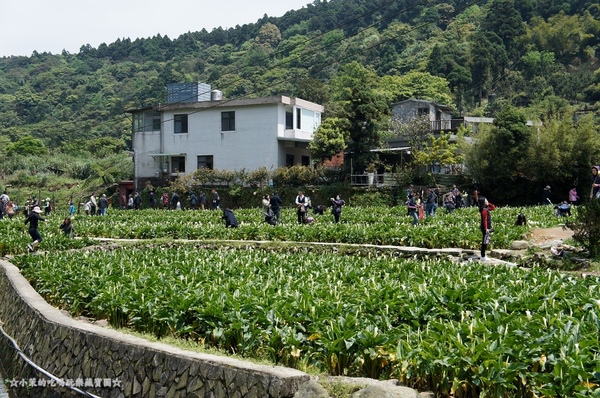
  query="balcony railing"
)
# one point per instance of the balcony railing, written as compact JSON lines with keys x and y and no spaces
{"x":367,"y":179}
{"x":446,"y":125}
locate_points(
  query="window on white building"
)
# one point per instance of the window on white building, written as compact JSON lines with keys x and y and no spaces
{"x":298,"y":118}
{"x":228,"y":121}
{"x":181,"y":124}
{"x":205,"y":161}
{"x":146,"y":121}
{"x":289,"y":119}
{"x":178,"y":164}
{"x":289,"y":160}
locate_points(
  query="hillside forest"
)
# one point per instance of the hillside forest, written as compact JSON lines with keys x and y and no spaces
{"x":63,"y":120}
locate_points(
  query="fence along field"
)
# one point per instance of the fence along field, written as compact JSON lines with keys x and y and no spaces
{"x":459,"y":330}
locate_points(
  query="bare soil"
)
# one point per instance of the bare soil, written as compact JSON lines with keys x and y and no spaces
{"x":540,"y":236}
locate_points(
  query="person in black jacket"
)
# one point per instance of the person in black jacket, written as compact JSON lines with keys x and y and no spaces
{"x":33,"y":219}
{"x":336,"y":207}
{"x":216,"y":202}
{"x":229,"y":217}
{"x":275,"y":202}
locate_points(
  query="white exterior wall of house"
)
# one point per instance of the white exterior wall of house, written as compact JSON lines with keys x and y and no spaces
{"x":260,"y":137}
{"x":247,"y":146}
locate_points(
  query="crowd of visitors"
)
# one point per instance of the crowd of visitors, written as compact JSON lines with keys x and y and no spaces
{"x":420,"y":203}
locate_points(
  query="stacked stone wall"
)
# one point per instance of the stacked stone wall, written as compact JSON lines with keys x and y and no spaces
{"x":108,"y":363}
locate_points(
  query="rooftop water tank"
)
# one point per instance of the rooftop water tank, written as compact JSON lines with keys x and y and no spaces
{"x":216,"y":95}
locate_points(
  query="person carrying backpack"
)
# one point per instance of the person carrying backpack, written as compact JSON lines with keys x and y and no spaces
{"x":336,"y":207}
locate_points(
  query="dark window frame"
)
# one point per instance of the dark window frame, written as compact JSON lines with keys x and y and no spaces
{"x":209,"y":162}
{"x":156,"y":121}
{"x":298,"y":119}
{"x":177,"y":161}
{"x":180,"y":124}
{"x":289,"y":119}
{"x":228,"y":121}
{"x":423,"y":111}
{"x":289,"y":160}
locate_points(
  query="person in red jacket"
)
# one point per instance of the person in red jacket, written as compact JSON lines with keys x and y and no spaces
{"x":486,"y":224}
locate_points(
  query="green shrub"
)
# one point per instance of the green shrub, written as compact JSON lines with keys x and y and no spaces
{"x":586,"y":227}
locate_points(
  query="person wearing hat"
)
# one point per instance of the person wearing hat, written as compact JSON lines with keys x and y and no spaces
{"x":47,"y":207}
{"x":33,"y":219}
{"x":595,"y":192}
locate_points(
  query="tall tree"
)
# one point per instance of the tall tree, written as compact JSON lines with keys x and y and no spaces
{"x":329,"y":140}
{"x":505,"y":20}
{"x":488,"y":60}
{"x":497,"y":160}
{"x":364,"y":110}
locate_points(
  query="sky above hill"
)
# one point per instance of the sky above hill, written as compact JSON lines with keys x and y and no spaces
{"x":57,"y":25}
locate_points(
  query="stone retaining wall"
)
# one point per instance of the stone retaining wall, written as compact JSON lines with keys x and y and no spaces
{"x":121,"y":365}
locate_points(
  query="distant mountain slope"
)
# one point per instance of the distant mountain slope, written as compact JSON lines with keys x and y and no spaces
{"x":539,"y":54}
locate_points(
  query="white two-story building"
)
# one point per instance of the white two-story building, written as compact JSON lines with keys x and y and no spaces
{"x":178,"y":138}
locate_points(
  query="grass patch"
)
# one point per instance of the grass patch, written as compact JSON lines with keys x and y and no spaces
{"x":339,"y":388}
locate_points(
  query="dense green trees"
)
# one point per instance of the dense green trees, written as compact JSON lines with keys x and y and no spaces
{"x":540,"y":56}
{"x":514,"y":161}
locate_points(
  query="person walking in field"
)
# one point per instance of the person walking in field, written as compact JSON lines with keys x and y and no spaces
{"x":193,"y":200}
{"x":152,"y":200}
{"x":300,"y":203}
{"x":102,"y":205}
{"x":411,"y":205}
{"x":67,"y":227}
{"x":216,"y":201}
{"x":202,"y":200}
{"x":573,"y":196}
{"x":174,"y":200}
{"x":93,"y":204}
{"x":486,"y":224}
{"x":275,"y":202}
{"x":47,"y":207}
{"x":336,"y":207}
{"x":430,"y":202}
{"x":33,"y":219}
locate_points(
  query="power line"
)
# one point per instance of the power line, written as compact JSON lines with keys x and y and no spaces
{"x":42,"y":370}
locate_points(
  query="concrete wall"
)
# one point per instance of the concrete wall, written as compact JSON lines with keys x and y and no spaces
{"x":123,"y":365}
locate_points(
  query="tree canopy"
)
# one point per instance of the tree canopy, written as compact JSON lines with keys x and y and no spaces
{"x":354,"y":57}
